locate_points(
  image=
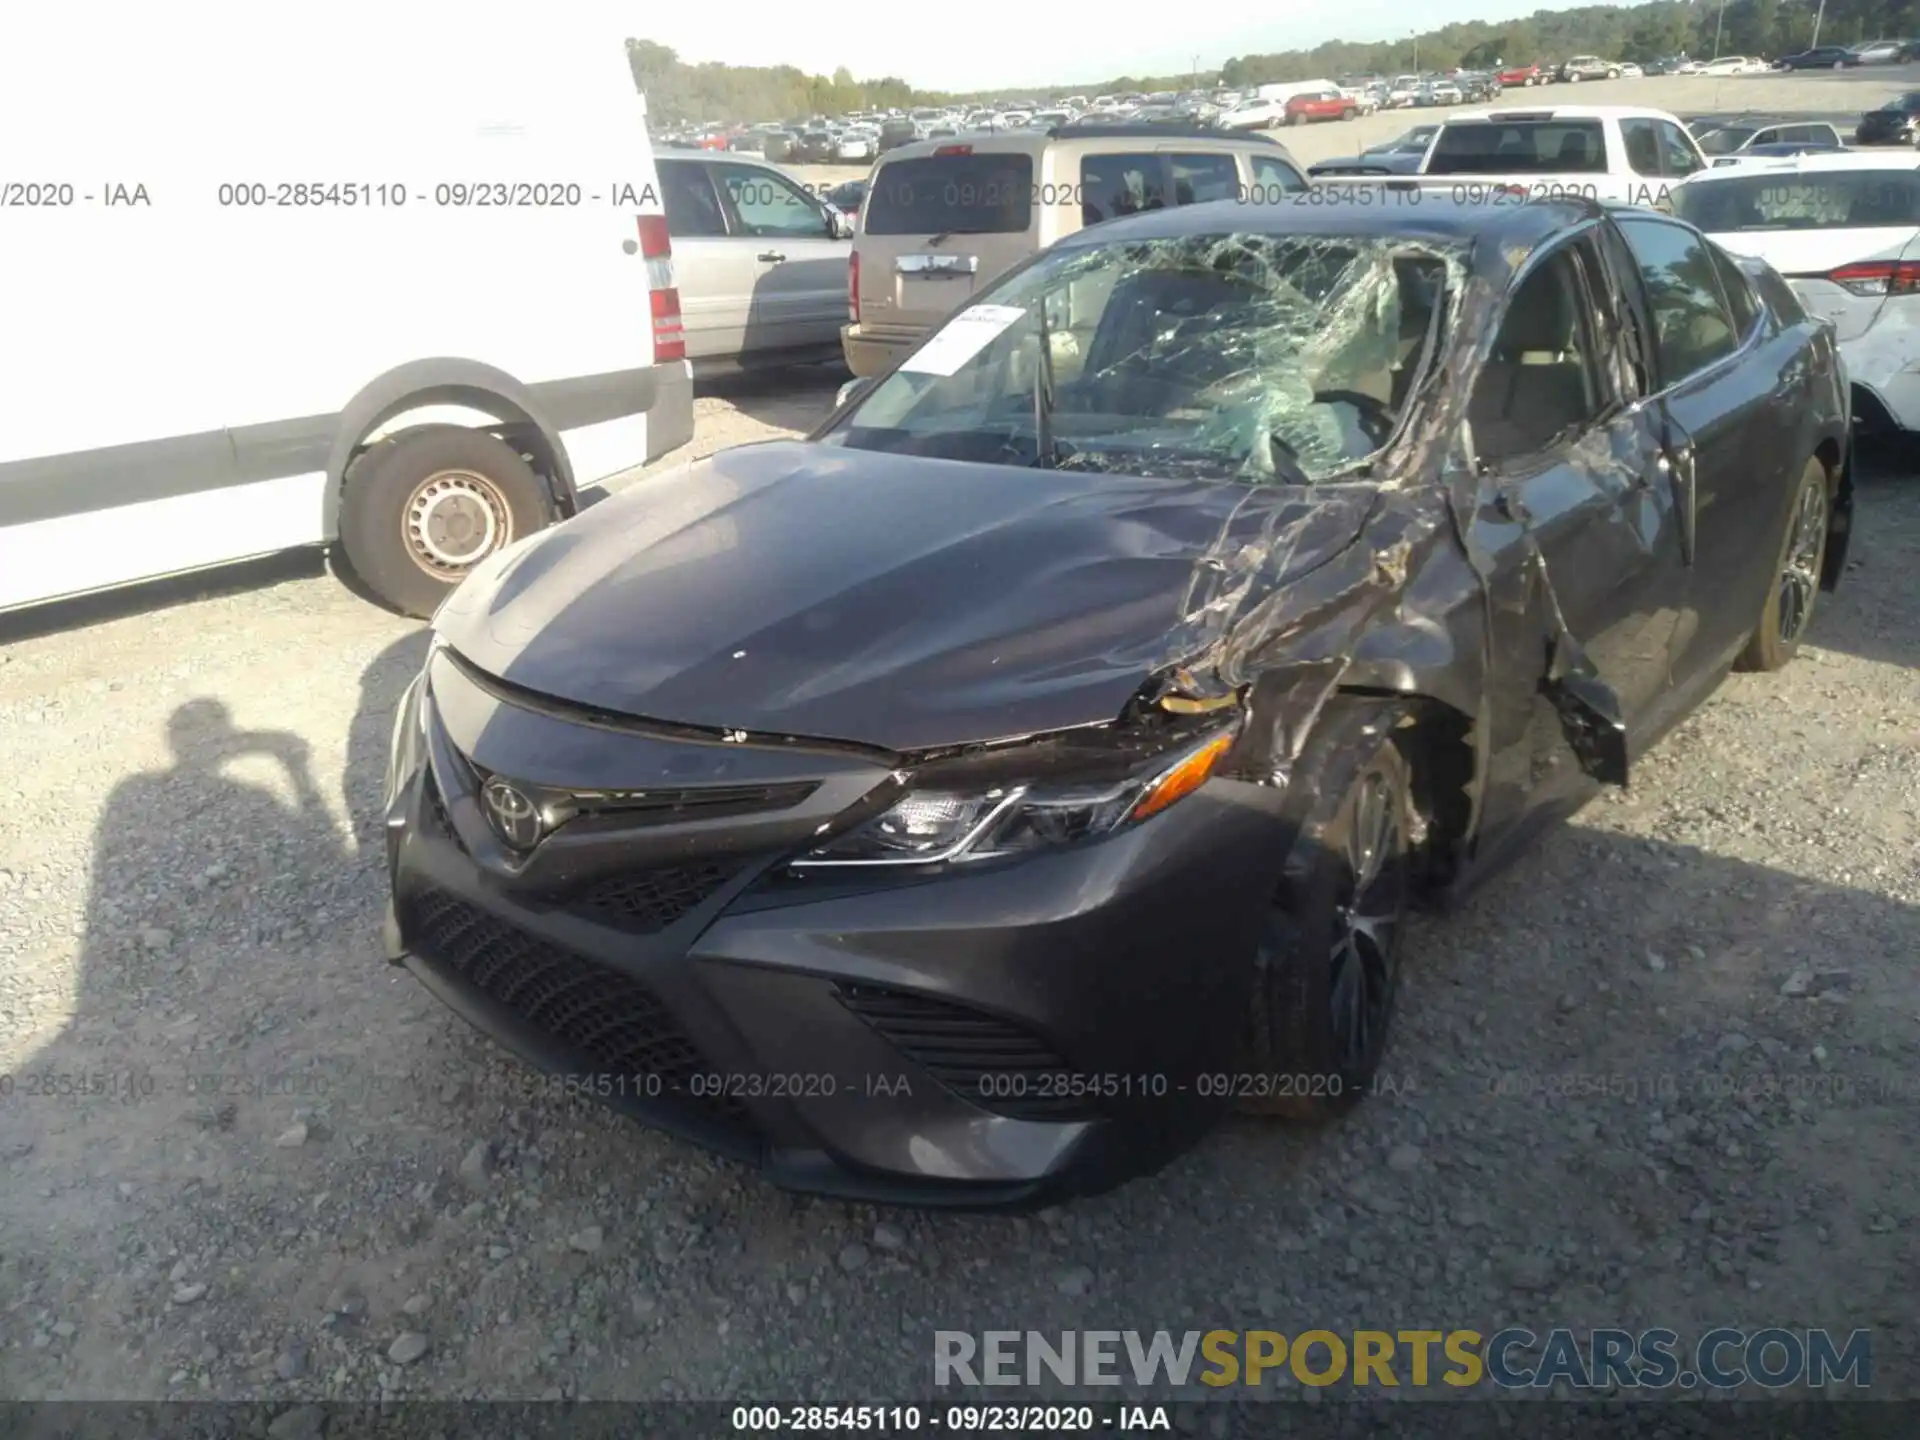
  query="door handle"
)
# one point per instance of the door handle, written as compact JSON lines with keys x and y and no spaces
{"x":772,"y":257}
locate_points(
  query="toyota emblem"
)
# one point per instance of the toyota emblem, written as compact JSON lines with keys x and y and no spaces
{"x":513,"y":815}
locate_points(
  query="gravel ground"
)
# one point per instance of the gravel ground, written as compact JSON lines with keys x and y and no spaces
{"x":1661,"y":1073}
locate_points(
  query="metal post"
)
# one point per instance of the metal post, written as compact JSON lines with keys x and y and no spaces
{"x":1818,"y":16}
{"x":1416,"y":55}
{"x":1722,"y":20}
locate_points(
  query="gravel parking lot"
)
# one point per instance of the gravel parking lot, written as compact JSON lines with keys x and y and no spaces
{"x":1838,"y":96}
{"x":1660,"y":1073}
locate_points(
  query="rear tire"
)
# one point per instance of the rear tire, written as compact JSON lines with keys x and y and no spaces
{"x":421,"y":509}
{"x":1796,"y":576}
{"x":1613,"y":74}
{"x":1326,"y":971}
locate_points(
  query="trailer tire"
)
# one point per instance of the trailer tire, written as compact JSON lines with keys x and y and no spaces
{"x":419,"y":510}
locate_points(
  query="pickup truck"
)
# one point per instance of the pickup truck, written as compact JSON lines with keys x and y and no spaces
{"x":1618,"y":153}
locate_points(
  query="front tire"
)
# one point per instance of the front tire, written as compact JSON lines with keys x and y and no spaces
{"x":1326,"y":970}
{"x":1613,"y":74}
{"x":420,"y":509}
{"x":1796,"y":584}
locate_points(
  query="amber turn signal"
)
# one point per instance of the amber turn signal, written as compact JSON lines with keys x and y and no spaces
{"x":1184,"y":778}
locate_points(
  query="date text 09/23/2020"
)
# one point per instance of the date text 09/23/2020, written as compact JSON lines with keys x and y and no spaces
{"x":137,"y":1085}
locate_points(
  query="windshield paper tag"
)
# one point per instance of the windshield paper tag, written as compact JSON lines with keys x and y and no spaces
{"x":962,"y":338}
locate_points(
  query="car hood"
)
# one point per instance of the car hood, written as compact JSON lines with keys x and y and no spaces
{"x":795,"y":588}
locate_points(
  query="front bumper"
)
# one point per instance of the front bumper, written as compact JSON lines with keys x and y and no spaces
{"x":999,"y":1036}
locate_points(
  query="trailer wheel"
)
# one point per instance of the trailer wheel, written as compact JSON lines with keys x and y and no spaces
{"x":421,"y":509}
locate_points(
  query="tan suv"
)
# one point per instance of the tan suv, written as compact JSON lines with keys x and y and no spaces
{"x":944,"y":219}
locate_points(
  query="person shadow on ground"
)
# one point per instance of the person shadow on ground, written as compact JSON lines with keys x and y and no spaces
{"x":193,"y":952}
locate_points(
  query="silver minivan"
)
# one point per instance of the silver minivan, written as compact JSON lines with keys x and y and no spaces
{"x":761,"y":263}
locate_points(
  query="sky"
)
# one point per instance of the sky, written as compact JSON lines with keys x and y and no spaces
{"x":989,"y":44}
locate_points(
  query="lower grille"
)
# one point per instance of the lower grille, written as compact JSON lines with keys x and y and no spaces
{"x":611,"y":1021}
{"x":648,"y":901}
{"x":983,"y":1059}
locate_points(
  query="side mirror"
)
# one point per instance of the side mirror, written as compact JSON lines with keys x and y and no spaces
{"x":852,"y":390}
{"x":840,"y":224}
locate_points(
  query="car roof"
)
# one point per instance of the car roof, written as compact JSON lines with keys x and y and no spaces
{"x":1564,"y":112}
{"x":1032,"y":142}
{"x":1816,"y":161}
{"x":1514,"y":231}
{"x":1759,"y":117}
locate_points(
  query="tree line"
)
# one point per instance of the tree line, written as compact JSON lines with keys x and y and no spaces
{"x":713,"y":93}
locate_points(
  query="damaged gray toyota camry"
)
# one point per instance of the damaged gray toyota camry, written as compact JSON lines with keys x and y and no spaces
{"x":967,"y":803}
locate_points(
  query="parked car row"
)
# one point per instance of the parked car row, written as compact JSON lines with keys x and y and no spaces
{"x":1845,"y":57}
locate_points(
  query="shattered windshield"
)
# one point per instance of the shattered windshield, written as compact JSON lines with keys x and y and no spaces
{"x":1267,"y":359}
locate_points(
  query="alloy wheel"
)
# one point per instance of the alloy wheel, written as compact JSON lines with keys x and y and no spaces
{"x":1800,"y":575}
{"x":1361,"y":976}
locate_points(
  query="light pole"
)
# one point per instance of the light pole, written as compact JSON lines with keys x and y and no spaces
{"x":1818,"y":16}
{"x":1416,"y":53}
{"x":1718,"y":22}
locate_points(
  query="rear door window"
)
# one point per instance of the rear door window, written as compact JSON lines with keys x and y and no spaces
{"x":1116,"y":185}
{"x":1676,"y":150}
{"x":1742,"y":303}
{"x":1274,"y":177}
{"x":1198,"y":179}
{"x":687,"y":195}
{"x":972,"y":194}
{"x":1690,"y":317}
{"x":1642,"y":140}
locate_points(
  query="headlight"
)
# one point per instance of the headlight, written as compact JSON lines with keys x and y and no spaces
{"x":932,"y":826}
{"x":407,"y":750}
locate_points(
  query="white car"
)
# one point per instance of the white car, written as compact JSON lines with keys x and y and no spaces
{"x":1631,"y":71}
{"x":1844,"y":232}
{"x":1255,"y":115}
{"x":1404,"y":90}
{"x":856,"y":146}
{"x":1735,"y":65}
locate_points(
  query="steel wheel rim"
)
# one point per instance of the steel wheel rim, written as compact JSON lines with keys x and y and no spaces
{"x":1361,"y":969}
{"x":453,"y":520}
{"x":1800,"y":576}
